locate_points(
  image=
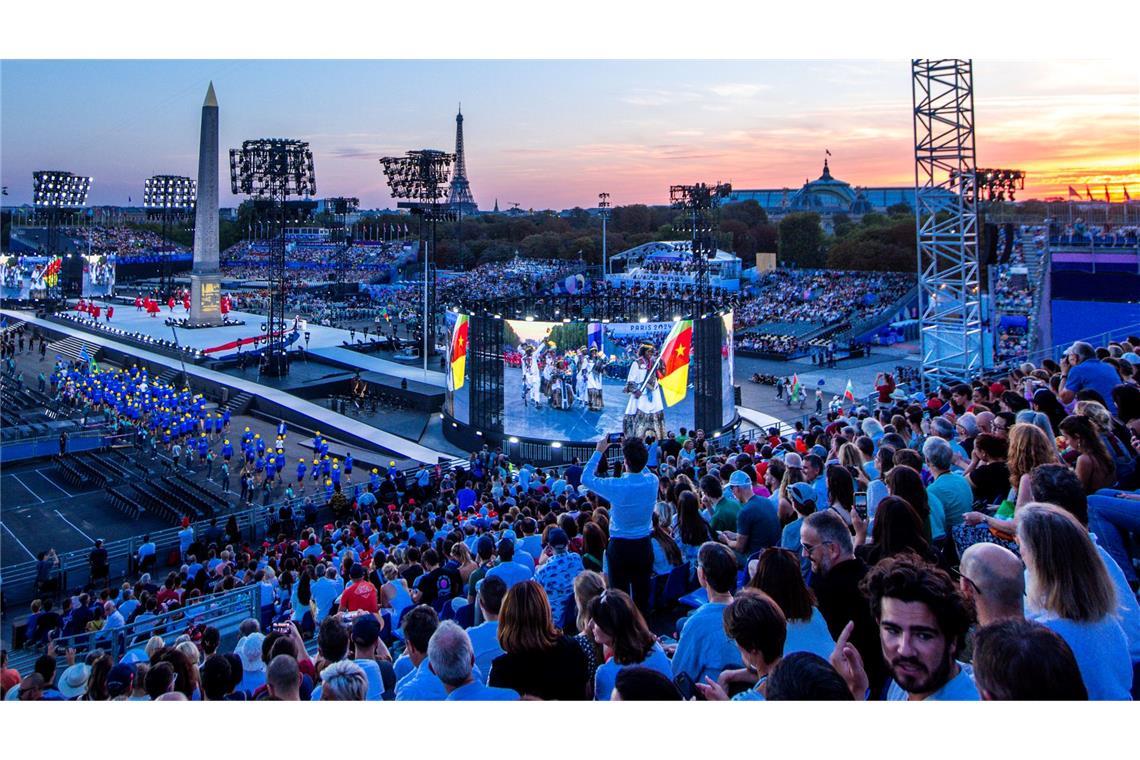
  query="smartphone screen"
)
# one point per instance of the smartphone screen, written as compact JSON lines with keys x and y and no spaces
{"x":861,"y":505}
{"x":684,"y":685}
{"x":615,"y":438}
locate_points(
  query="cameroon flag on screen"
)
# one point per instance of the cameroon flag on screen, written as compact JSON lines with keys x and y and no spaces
{"x":675,"y":361}
{"x":459,"y":352}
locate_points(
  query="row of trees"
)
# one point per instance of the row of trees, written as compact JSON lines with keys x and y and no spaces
{"x":877,"y":242}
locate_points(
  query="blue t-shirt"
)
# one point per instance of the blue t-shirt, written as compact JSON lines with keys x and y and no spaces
{"x":809,"y":636}
{"x":758,"y":520}
{"x":960,"y":688}
{"x":1095,"y":374}
{"x":1101,"y":651}
{"x":485,"y":644}
{"x":606,"y":675}
{"x":421,"y":685}
{"x":477,"y":691}
{"x":510,"y":572}
{"x":704,"y":648}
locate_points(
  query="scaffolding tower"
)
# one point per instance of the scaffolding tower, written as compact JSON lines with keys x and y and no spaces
{"x":946,"y":221}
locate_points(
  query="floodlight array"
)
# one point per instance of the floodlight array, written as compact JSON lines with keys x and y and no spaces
{"x":59,"y":189}
{"x":420,"y":175}
{"x":272,"y":168}
{"x":167,"y":192}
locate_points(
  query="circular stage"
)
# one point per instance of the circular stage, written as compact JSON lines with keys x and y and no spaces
{"x":546,"y":377}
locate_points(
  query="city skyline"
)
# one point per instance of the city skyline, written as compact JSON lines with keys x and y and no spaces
{"x":552,"y":134}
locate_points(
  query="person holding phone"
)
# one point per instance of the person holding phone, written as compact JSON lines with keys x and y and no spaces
{"x":632,"y":496}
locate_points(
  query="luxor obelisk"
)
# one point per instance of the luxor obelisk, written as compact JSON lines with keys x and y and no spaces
{"x":205,"y":277}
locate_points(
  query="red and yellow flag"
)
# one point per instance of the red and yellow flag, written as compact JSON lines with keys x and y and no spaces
{"x":675,"y":361}
{"x":458,"y":352}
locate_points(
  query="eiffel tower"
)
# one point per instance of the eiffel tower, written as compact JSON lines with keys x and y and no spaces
{"x":460,"y":198}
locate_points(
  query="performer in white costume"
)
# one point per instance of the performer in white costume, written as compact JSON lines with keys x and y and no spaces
{"x":594,"y":368}
{"x":531,"y":377}
{"x":645,"y":410}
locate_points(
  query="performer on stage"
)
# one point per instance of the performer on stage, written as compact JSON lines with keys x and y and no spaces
{"x":581,"y":377}
{"x":532,"y":379}
{"x":594,"y":369}
{"x":645,"y":410}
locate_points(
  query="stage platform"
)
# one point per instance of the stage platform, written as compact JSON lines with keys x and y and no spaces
{"x":368,"y":363}
{"x":205,"y":338}
{"x":354,"y":431}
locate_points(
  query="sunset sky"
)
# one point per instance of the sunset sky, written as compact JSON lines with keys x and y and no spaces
{"x":553,"y":134}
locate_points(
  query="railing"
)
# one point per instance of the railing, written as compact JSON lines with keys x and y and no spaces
{"x":220,"y":611}
{"x":46,"y":445}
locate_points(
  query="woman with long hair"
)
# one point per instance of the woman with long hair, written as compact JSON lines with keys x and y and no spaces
{"x":97,"y":679}
{"x":841,"y":491}
{"x":594,"y":547}
{"x":778,"y":575}
{"x":666,"y":553}
{"x":1046,"y":402}
{"x":1068,"y":589}
{"x":1094,"y":465}
{"x":539,"y":660}
{"x":905,"y":483}
{"x":461,"y":553}
{"x":588,"y":585}
{"x":1042,"y":423}
{"x":792,"y":473}
{"x":877,"y":488}
{"x":692,"y":530}
{"x":897,"y":529}
{"x":853,"y":460}
{"x":619,"y":628}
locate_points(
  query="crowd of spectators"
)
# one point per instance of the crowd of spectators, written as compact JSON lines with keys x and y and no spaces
{"x":823,"y":296}
{"x":974,"y":543}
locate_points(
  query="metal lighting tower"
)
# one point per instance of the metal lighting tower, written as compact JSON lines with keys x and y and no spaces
{"x":168,"y":197}
{"x":999,"y":185}
{"x":946,"y":220}
{"x":53,"y":194}
{"x":273,"y":170}
{"x":340,"y":208}
{"x":604,"y":206}
{"x":698,"y":204}
{"x":421,"y":177}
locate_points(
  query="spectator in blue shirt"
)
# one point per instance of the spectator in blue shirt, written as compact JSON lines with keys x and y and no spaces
{"x":485,"y":636}
{"x":1080,"y":369}
{"x":758,"y":627}
{"x":757,"y":523}
{"x":510,"y":571}
{"x":421,"y":684}
{"x":704,"y":650}
{"x":632,"y":496}
{"x":452,"y":660}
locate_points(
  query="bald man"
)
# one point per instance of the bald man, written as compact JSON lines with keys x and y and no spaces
{"x":985,"y":422}
{"x":994,"y":578}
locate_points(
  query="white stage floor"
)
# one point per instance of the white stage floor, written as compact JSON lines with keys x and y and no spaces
{"x":129,"y":319}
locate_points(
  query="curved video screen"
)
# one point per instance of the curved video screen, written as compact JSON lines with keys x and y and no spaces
{"x":578,"y":381}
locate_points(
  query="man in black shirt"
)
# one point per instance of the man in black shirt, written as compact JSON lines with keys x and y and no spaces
{"x":836,"y":573}
{"x":438,"y":585}
{"x":97,"y":560}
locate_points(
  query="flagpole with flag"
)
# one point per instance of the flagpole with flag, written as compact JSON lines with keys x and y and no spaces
{"x":456,"y":377}
{"x":1107,"y":205}
{"x":1069,"y":202}
{"x":1127,"y":200}
{"x":849,"y":391}
{"x":674,"y":360}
